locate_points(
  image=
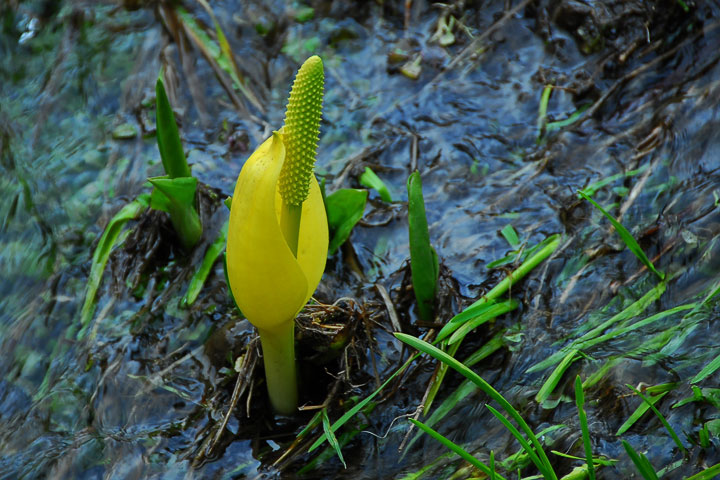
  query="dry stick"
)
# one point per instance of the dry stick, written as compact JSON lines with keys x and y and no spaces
{"x":392,"y":313}
{"x":414,"y":153}
{"x":243,"y":379}
{"x":356,"y":159}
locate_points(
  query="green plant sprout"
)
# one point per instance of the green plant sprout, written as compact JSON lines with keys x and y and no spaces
{"x":278,"y":233}
{"x":174,"y":193}
{"x":424,"y":265}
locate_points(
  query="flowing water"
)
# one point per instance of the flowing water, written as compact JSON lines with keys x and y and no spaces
{"x":143,"y":391}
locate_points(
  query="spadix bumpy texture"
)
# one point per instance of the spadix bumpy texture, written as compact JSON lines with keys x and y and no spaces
{"x":268,"y":283}
{"x":301,"y":131}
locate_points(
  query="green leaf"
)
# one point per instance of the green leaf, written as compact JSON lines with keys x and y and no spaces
{"x":423,"y":258}
{"x":168,"y":136}
{"x":176,"y":196}
{"x":510,"y":235}
{"x":626,"y":237}
{"x":344,"y":209}
{"x":198,"y":279}
{"x":102,"y":252}
{"x":331,"y":436}
{"x":370,"y":180}
{"x":172,"y":193}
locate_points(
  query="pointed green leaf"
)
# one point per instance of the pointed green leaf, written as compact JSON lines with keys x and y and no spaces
{"x":344,"y":209}
{"x":168,"y":136}
{"x":423,"y":262}
{"x":370,"y":180}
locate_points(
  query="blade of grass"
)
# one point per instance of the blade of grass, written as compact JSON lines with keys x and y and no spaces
{"x":641,"y":462}
{"x":461,"y":452}
{"x":555,"y":376}
{"x":332,"y":440}
{"x":198,"y":279}
{"x":485,"y":387}
{"x":465,"y":388}
{"x":510,"y":235}
{"x":626,"y":237}
{"x":660,"y":416}
{"x":632,"y":310}
{"x":580,"y":402}
{"x":592,"y":189}
{"x":638,"y":413}
{"x":574,"y":117}
{"x":494,"y":311}
{"x":221,"y":55}
{"x":708,"y":474}
{"x":707,"y":370}
{"x":549,"y":246}
{"x":353,"y":411}
{"x":534,"y":458}
{"x":542,"y":111}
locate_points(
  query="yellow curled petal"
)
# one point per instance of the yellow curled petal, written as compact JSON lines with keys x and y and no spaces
{"x":269,"y":284}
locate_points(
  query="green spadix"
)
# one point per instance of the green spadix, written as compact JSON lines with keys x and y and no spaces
{"x":278,"y":234}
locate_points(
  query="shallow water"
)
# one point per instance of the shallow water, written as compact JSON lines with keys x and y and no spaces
{"x":143,"y":394}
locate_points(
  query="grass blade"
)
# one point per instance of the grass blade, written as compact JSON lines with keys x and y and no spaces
{"x":626,"y":237}
{"x":332,"y":440}
{"x":707,"y":474}
{"x":707,"y":370}
{"x":465,"y":388}
{"x":638,"y":413}
{"x":353,"y":411}
{"x":521,"y":440}
{"x":495,"y":310}
{"x":461,"y":452}
{"x":548,"y":247}
{"x":641,"y":462}
{"x":660,"y":416}
{"x":555,"y":376}
{"x":632,"y":310}
{"x":580,"y":402}
{"x":485,"y":387}
{"x":423,"y":258}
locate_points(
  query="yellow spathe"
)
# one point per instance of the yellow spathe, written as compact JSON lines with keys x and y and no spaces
{"x":269,"y":284}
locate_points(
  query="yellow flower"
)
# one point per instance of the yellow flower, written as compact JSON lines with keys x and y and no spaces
{"x":269,"y":283}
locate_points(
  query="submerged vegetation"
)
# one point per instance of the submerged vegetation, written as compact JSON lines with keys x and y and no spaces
{"x":505,"y":268}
